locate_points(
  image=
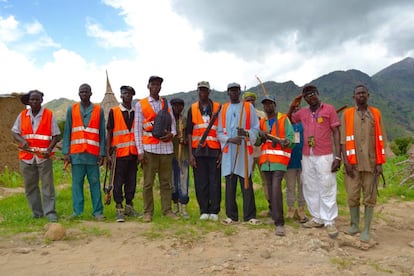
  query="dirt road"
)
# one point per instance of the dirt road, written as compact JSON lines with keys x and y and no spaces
{"x":135,"y":248}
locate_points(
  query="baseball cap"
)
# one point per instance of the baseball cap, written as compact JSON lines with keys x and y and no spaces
{"x":203,"y":84}
{"x":269,"y":98}
{"x":176,"y":101}
{"x":152,"y":78}
{"x":233,"y":84}
{"x":128,"y":88}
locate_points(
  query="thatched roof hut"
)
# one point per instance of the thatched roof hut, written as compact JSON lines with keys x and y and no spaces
{"x":109,"y":99}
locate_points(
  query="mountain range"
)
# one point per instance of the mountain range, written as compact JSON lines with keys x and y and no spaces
{"x":391,"y":90}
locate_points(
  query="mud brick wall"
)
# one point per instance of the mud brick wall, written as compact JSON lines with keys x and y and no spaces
{"x":10,"y":107}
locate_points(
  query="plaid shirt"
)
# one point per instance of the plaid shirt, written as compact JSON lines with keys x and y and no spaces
{"x":161,"y":147}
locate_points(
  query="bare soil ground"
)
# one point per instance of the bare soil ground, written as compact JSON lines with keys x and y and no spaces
{"x":136,"y":248}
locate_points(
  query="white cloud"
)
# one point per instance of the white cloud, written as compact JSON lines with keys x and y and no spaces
{"x":9,"y":29}
{"x":34,"y":28}
{"x":211,"y":45}
{"x":107,"y":39}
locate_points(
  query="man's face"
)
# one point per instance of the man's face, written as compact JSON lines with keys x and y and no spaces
{"x":203,"y":93}
{"x":269,"y":107}
{"x":251,"y":100}
{"x":85,"y":94}
{"x":311,"y":97}
{"x":154,"y":87}
{"x":177,"y":108}
{"x":126,"y":96}
{"x":35,"y":101}
{"x":361,"y":95}
{"x":234,"y":94}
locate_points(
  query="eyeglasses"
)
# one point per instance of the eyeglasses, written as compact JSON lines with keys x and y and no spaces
{"x":310,"y":95}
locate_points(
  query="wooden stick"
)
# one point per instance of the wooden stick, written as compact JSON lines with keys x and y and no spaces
{"x":341,"y":108}
{"x":263,"y":87}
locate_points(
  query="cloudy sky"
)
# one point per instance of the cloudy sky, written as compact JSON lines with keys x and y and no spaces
{"x":55,"y":46}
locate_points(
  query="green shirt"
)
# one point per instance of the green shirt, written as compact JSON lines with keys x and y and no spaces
{"x":289,"y":133}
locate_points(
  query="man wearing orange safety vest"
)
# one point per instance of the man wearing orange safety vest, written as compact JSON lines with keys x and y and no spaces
{"x":120,"y":137}
{"x":237,"y":131}
{"x":84,"y":148}
{"x":205,"y":158}
{"x":36,"y":131}
{"x":363,"y":151}
{"x":155,"y":154}
{"x":275,"y":156}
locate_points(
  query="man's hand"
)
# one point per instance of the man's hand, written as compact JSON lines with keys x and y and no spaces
{"x":100,"y":160}
{"x":46,"y":154}
{"x":192,"y":160}
{"x":141,"y":158}
{"x":263,"y":135}
{"x":336,"y":164}
{"x":109,"y":161}
{"x":284,"y":143}
{"x":242,"y":132}
{"x":378,"y":170}
{"x":218,"y":161}
{"x":235,"y":140}
{"x":167,"y":137}
{"x":296,"y":101}
{"x":66,"y":158}
{"x":349,"y":170}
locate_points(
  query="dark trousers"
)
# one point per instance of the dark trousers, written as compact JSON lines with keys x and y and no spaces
{"x":249,"y":204}
{"x":207,"y":182}
{"x":126,"y":176}
{"x":274,"y":184}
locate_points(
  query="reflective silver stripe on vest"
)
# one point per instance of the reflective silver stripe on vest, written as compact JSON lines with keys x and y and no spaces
{"x":125,"y":145}
{"x":84,"y":141}
{"x":198,"y":126}
{"x":121,"y":132}
{"x":86,"y":129}
{"x":205,"y":125}
{"x":146,"y":133}
{"x":350,"y":152}
{"x":147,"y":124}
{"x":276,"y":152}
{"x":37,"y":136}
{"x":208,"y":138}
{"x":350,"y":138}
{"x":380,"y":137}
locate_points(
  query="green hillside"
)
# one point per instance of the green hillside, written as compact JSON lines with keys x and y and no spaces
{"x":391,"y":89}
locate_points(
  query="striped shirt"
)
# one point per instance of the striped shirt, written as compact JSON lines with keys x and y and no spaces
{"x":161,"y":147}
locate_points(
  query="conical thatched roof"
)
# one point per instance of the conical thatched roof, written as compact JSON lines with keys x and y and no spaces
{"x":109,"y":99}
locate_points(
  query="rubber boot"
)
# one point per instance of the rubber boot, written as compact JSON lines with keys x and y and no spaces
{"x":183,"y":211}
{"x":365,"y":234}
{"x":302,"y":215}
{"x":354,"y":228}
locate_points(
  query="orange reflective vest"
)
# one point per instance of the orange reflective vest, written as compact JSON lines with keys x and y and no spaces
{"x":148,"y":124}
{"x":278,"y":154}
{"x":85,"y":139}
{"x":123,"y":138}
{"x":40,"y":140}
{"x":246,"y":106}
{"x":349,"y":115}
{"x":199,"y":127}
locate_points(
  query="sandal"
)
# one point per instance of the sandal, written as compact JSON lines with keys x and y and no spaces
{"x":229,"y":221}
{"x":254,"y":221}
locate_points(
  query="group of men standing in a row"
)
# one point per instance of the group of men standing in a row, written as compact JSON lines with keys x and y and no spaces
{"x":216,"y":140}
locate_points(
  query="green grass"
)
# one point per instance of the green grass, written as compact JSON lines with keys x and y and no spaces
{"x":15,"y":214}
